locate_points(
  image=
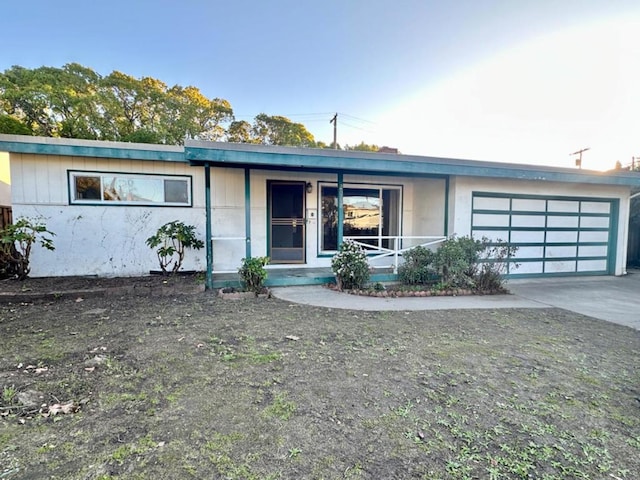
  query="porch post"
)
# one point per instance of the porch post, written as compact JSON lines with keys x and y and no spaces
{"x":247,"y":211}
{"x":340,"y":209}
{"x":446,"y":206}
{"x":208,"y":235}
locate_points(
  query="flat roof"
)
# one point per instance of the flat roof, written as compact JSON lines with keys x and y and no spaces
{"x":240,"y":155}
{"x":356,"y":162}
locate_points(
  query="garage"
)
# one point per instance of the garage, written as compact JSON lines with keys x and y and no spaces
{"x":554,"y":235}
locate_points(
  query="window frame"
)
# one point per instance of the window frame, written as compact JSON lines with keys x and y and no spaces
{"x":381,"y":187}
{"x":72,"y":191}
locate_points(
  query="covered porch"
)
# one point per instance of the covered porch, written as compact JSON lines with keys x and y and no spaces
{"x":297,"y":207}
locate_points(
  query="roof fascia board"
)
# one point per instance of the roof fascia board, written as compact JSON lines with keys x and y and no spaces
{"x":90,"y":148}
{"x":405,"y":165}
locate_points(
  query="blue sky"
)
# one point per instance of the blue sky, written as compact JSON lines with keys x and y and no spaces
{"x":427,"y":77}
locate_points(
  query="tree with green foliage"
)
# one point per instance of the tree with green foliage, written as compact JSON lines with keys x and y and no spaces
{"x":240,"y":132}
{"x":54,"y":102}
{"x":278,"y":130}
{"x":362,"y":147}
{"x":76,"y":102}
{"x":13,"y":126}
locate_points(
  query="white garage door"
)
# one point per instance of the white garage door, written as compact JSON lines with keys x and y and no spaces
{"x":554,"y":235}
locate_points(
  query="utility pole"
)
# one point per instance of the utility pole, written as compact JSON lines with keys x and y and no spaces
{"x":633,"y":163}
{"x":579,"y":159}
{"x":334,"y":120}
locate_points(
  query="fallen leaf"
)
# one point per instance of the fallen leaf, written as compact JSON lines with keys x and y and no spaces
{"x":79,"y":299}
{"x":292,"y":337}
{"x":60,"y":408}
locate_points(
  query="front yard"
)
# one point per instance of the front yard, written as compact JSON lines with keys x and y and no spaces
{"x":191,"y":386}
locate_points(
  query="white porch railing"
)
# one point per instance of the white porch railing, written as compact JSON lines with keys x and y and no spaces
{"x":395,"y":248}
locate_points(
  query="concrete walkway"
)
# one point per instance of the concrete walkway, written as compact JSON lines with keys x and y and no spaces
{"x":615,"y":299}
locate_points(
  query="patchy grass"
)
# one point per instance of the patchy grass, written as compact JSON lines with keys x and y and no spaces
{"x":197,"y":387}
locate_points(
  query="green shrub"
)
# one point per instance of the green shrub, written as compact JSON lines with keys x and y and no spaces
{"x":492,"y":266}
{"x":461,"y":262}
{"x":253,"y":274}
{"x":16,"y":241}
{"x":418,"y":267}
{"x":171,"y":239}
{"x":350,"y":266}
{"x":456,"y":261}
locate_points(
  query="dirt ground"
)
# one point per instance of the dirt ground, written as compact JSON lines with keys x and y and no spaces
{"x":161,"y":380}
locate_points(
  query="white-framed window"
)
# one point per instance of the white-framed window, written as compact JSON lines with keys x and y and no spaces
{"x":369,"y":211}
{"x":110,"y":188}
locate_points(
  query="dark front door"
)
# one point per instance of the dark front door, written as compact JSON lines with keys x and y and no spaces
{"x":286,"y":222}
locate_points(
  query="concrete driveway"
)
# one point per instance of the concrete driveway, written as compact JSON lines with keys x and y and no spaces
{"x":615,"y":299}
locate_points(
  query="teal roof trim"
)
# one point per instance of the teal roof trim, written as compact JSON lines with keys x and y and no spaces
{"x":92,"y":149}
{"x":407,"y":165}
{"x":319,"y":160}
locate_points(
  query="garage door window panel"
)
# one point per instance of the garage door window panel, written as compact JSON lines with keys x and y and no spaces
{"x":528,"y":205}
{"x":528,"y":221}
{"x":591,"y":265}
{"x":595,"y":207}
{"x":594,"y":222}
{"x":593,"y":251}
{"x":594,"y":236}
{"x":563,"y":206}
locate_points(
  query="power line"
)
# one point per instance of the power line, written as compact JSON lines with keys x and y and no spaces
{"x":357,"y":128}
{"x":357,"y":118}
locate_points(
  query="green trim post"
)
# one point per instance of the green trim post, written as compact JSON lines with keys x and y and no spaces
{"x":446,"y":206}
{"x":247,"y":211}
{"x":340,"y":208}
{"x":613,"y":237}
{"x":208,"y":232}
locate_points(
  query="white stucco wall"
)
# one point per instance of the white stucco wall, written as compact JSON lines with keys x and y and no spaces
{"x":462,"y":188}
{"x":96,"y":239}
